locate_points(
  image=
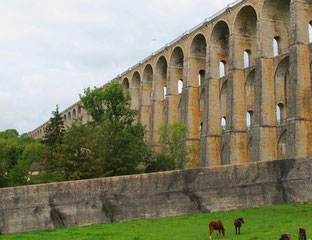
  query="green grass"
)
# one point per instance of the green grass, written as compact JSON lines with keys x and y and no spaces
{"x":260,"y":223}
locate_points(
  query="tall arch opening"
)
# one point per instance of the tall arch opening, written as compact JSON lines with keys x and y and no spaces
{"x":250,"y":97}
{"x":175,"y":81}
{"x":282,"y":89}
{"x":126,"y":85}
{"x":135,"y":90}
{"x":220,"y":45}
{"x":245,"y":29}
{"x":276,"y":14}
{"x":223,"y":105}
{"x":176,"y":70}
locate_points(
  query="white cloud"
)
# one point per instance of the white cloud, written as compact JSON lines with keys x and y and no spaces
{"x":51,"y":50}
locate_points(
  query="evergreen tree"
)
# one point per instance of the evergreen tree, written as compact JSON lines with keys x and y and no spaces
{"x":53,"y":138}
{"x":54,"y":132}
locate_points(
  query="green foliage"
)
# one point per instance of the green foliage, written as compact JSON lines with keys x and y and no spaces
{"x":74,"y":160}
{"x":92,"y":101}
{"x":16,"y":156}
{"x":263,"y":223}
{"x":9,"y":133}
{"x":53,"y":138}
{"x":54,"y":132}
{"x":117,"y":141}
{"x":175,"y":153}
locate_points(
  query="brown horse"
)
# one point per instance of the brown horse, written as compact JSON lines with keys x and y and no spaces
{"x":238,"y":223}
{"x":216,"y":226}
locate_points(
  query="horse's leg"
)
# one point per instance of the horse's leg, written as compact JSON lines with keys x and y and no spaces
{"x":210,"y":232}
{"x":239,"y":230}
{"x":235,"y":230}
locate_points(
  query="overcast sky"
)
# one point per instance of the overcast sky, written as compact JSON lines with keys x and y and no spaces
{"x":50,"y":50}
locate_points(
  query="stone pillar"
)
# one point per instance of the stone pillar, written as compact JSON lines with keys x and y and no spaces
{"x":211,"y":137}
{"x":145,"y":108}
{"x":157,"y":107}
{"x":236,"y":122}
{"x":193,"y":66}
{"x":299,"y":125}
{"x":174,"y":74}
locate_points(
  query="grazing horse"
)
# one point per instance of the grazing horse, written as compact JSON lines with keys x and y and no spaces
{"x":238,"y":223}
{"x":216,"y":226}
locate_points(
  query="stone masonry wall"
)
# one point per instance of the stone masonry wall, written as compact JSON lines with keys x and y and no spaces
{"x":157,"y":195}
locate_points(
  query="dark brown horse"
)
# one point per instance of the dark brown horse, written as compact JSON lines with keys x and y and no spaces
{"x":238,"y":223}
{"x":216,"y":226}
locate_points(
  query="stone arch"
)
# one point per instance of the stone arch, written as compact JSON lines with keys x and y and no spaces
{"x":147,"y":82}
{"x":177,"y":57}
{"x":281,"y":146}
{"x":74,"y":113}
{"x":161,"y":77}
{"x":125,"y":85}
{"x":246,"y":21}
{"x":245,"y":27}
{"x":69,"y":116}
{"x":276,"y":14}
{"x":197,"y":60}
{"x":176,"y":70}
{"x":281,"y":80}
{"x":135,"y":90}
{"x":220,"y":44}
{"x":198,"y":46}
{"x":250,"y":91}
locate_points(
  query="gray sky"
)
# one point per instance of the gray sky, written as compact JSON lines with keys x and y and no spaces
{"x":50,"y":50}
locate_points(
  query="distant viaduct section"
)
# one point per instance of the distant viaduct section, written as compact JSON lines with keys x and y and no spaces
{"x":146,"y":196}
{"x":241,"y":81}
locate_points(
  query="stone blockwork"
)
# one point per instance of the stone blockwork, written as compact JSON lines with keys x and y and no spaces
{"x":249,"y":67}
{"x":146,"y":196}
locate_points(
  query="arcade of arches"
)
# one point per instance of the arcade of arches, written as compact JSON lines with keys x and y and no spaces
{"x":241,"y":82}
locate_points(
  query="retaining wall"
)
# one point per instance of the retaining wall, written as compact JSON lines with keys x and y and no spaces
{"x":116,"y":199}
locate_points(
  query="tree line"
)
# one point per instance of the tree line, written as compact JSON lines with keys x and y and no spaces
{"x":111,"y":144}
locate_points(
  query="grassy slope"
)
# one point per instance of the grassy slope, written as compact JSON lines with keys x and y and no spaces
{"x":260,"y":223}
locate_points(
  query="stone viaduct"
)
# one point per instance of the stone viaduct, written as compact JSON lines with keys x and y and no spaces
{"x":240,"y":80}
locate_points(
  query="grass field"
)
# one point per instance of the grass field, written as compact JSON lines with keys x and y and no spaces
{"x":260,"y":223}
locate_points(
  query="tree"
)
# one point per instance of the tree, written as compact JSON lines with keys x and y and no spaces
{"x":175,"y":154}
{"x":118,"y":141}
{"x":54,"y":132}
{"x":92,"y":101}
{"x":9,"y":133}
{"x":53,"y":138}
{"x":75,"y":160}
{"x":16,"y":156}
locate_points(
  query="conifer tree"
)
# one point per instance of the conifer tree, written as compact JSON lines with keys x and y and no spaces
{"x":54,"y":132}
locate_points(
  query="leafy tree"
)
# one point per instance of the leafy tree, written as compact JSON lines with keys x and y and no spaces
{"x":9,"y":133}
{"x":92,"y":101}
{"x":118,"y":143}
{"x":75,"y":160}
{"x":175,"y":154}
{"x":16,"y":156}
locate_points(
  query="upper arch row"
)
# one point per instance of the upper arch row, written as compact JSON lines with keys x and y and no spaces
{"x":240,"y":20}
